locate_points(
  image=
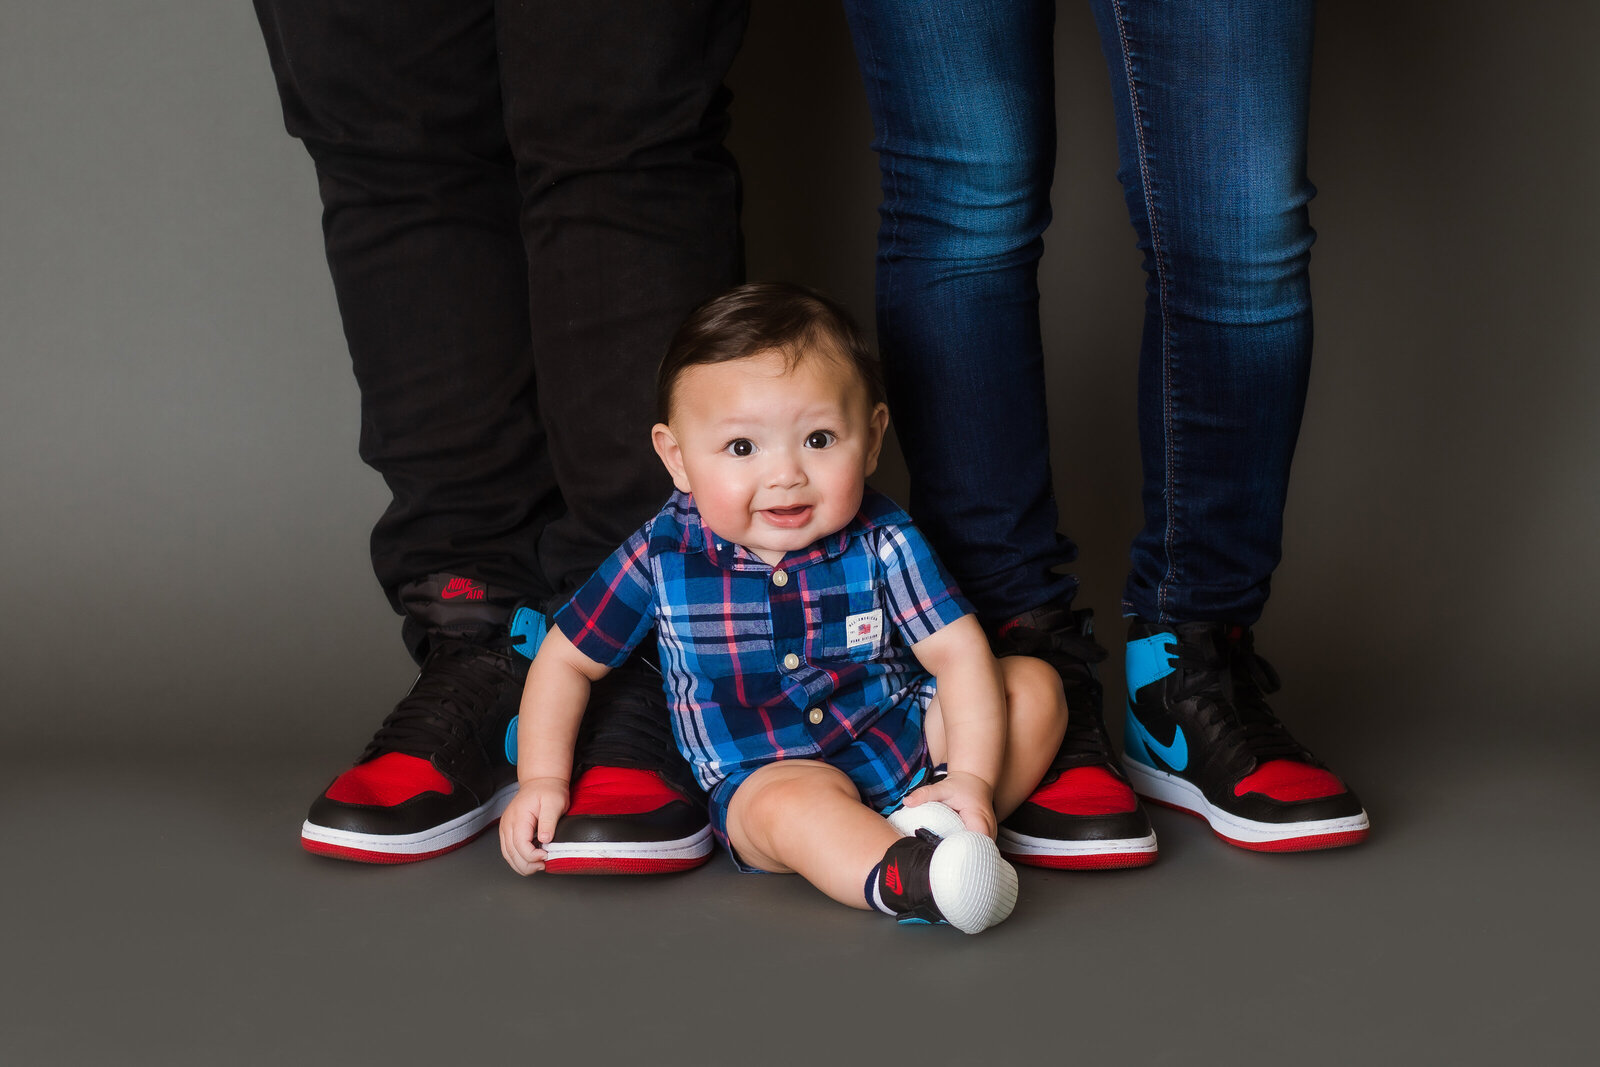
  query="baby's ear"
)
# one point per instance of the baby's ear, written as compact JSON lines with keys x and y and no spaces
{"x":671,"y":455}
{"x":877,"y":426}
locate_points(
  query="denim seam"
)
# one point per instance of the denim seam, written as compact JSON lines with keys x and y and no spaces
{"x":890,"y":183}
{"x":1169,"y":488}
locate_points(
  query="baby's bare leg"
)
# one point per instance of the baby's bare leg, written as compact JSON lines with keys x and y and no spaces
{"x":806,"y":817}
{"x":1036,"y":721}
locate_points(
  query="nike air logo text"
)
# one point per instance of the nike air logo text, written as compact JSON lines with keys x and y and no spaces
{"x":891,"y":877}
{"x":462,"y":587}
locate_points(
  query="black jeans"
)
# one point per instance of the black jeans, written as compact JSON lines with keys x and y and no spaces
{"x":522,"y":201}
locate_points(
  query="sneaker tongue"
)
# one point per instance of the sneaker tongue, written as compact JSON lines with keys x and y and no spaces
{"x":1210,"y":639}
{"x":458,"y":606}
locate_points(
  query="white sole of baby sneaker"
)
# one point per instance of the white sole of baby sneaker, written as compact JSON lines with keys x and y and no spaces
{"x":973,"y":886}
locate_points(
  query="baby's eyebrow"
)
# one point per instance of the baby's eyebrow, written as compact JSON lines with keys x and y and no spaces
{"x":823,"y":412}
{"x":736,"y":422}
{"x":823,"y":416}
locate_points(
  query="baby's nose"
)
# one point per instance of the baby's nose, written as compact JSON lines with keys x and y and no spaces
{"x":785,"y":472}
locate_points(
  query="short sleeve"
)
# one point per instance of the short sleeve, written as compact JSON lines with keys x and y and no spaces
{"x":922,"y":597}
{"x":613,"y":611}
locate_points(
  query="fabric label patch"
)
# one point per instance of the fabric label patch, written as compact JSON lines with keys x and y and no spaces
{"x":863,"y":629}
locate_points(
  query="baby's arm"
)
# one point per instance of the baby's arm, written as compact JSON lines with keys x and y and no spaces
{"x":553,"y":700}
{"x":972,"y":708}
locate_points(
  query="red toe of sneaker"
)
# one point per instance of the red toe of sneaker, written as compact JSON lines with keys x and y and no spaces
{"x":391,"y":779}
{"x":1086,"y":791}
{"x":623,"y":820}
{"x":1290,"y":781}
{"x":1086,"y":818}
{"x":398,"y":808}
{"x":620,"y":791}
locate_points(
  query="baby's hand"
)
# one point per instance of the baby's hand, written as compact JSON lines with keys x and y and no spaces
{"x":970,"y":796}
{"x":530,"y":822}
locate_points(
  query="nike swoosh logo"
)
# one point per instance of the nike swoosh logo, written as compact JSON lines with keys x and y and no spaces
{"x":451,"y":594}
{"x":1174,"y":755}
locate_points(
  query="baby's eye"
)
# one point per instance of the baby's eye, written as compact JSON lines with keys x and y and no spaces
{"x":740,"y":446}
{"x":820,"y":439}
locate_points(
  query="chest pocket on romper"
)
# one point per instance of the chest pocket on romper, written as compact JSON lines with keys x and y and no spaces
{"x":852,"y":616}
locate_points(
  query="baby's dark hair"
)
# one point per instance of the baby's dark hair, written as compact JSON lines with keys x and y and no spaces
{"x":763,"y":317}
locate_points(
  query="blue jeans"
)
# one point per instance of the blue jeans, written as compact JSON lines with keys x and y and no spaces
{"x":1211,"y":102}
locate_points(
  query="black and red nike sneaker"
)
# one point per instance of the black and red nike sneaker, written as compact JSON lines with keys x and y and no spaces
{"x":955,"y":878}
{"x":625,"y":820}
{"x":1201,"y":738}
{"x":436,"y":774}
{"x":1084,"y":814}
{"x":635,"y":807}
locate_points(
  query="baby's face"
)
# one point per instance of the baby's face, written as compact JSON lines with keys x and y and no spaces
{"x":775,"y":457}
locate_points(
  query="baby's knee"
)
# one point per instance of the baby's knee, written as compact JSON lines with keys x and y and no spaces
{"x":1036,"y":707}
{"x":779,"y":790}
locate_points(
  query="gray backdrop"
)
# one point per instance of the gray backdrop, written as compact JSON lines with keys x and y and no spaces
{"x":193,"y":641}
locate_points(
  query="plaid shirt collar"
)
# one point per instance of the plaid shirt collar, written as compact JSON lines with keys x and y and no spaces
{"x":684,"y":531}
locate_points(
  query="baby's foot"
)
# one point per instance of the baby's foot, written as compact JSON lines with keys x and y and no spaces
{"x":940,"y":818}
{"x":959,"y":879}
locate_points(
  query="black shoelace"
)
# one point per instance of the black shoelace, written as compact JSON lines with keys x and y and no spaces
{"x":459,"y":684}
{"x":1074,"y":656}
{"x":1234,"y":679}
{"x":627,"y":724}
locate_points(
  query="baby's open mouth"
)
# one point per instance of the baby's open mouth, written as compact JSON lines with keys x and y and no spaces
{"x":791,"y":516}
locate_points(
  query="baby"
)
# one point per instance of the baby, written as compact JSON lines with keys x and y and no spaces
{"x":818,"y":661}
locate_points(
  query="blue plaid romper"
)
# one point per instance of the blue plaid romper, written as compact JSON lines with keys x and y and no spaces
{"x":806,"y":660}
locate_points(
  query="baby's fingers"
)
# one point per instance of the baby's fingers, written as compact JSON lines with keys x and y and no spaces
{"x":548,"y":817}
{"x":924,"y":793}
{"x":979,"y":817}
{"x":516,"y":840}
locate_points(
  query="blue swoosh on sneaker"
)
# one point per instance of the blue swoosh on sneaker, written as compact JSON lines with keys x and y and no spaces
{"x":1174,"y":755}
{"x":511,"y":741}
{"x":1149,"y":659}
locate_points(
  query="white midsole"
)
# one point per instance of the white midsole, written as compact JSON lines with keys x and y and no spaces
{"x":1022,"y":845}
{"x":691,"y":847}
{"x":457,"y":830}
{"x":1181,"y":793}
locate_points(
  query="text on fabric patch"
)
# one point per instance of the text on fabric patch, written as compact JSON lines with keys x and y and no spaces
{"x":864,"y":629}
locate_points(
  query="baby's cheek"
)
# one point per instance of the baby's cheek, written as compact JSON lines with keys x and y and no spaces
{"x":726,"y":514}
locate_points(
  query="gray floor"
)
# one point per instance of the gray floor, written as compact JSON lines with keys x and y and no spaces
{"x":168,"y":916}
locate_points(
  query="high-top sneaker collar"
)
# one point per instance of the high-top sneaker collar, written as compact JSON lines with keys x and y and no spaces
{"x":452,"y":605}
{"x":1200,"y":656}
{"x":1211,"y":642}
{"x":903,"y":884}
